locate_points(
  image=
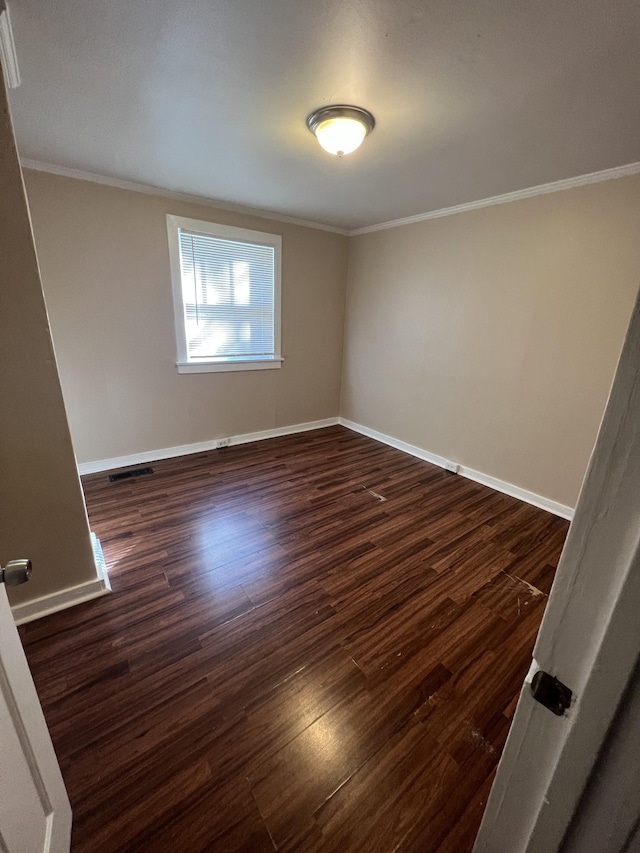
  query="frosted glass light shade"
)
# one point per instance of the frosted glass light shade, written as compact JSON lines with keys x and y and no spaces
{"x":340,"y":135}
{"x":340,"y":129}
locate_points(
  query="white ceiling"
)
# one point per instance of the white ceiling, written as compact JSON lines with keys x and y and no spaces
{"x":472,"y":98}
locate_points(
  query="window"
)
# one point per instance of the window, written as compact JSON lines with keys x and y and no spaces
{"x":226,"y":296}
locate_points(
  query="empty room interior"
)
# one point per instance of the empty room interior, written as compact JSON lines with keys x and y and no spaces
{"x":311,"y":314}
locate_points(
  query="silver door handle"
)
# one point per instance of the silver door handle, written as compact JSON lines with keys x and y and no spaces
{"x":15,"y":572}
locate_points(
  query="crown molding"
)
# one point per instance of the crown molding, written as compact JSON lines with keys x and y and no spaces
{"x":148,"y":189}
{"x":542,"y":189}
{"x":518,"y":195}
{"x":8,"y":56}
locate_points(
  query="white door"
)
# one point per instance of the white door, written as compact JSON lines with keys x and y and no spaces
{"x":35,"y":814}
{"x":589,"y":640}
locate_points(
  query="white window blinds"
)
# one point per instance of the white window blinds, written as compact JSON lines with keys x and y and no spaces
{"x":228,"y":295}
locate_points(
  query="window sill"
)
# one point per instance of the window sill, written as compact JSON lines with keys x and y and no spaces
{"x":231,"y":365}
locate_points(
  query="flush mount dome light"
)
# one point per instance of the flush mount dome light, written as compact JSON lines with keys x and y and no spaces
{"x":340,"y":129}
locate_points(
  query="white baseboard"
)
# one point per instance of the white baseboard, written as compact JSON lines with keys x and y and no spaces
{"x":72,"y":595}
{"x":540,"y":501}
{"x":198,"y":447}
{"x":395,"y":442}
{"x":471,"y":474}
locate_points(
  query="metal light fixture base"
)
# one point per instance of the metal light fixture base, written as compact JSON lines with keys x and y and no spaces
{"x":341,"y":111}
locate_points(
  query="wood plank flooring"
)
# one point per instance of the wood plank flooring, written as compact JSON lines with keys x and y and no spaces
{"x":315,"y":643}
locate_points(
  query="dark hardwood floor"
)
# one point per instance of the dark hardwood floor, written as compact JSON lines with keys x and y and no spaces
{"x":315,"y":643}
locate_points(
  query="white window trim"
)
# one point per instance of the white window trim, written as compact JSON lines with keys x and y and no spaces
{"x":212,"y":229}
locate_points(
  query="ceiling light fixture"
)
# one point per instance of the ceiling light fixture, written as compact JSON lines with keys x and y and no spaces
{"x":340,"y":129}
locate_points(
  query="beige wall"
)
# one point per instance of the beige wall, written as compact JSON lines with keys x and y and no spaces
{"x":491,"y":337}
{"x":105,"y":267}
{"x":42,"y":513}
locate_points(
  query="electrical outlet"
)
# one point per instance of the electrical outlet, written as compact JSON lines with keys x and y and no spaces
{"x":222,"y":442}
